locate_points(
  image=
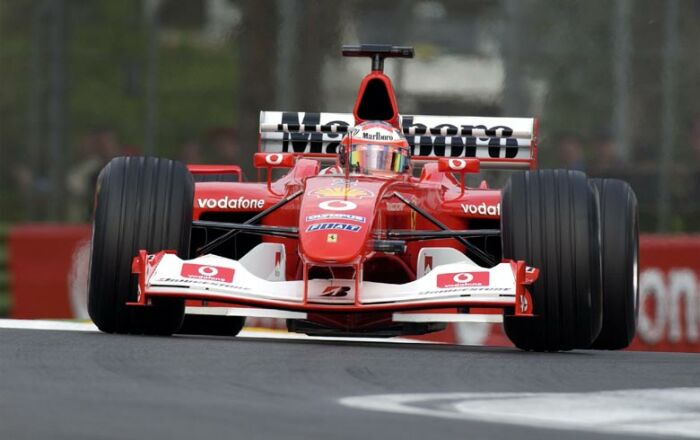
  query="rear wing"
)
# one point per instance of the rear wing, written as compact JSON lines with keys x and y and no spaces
{"x":498,"y":143}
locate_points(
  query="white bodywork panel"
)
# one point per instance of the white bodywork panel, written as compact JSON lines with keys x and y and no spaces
{"x":211,"y":274}
{"x":445,"y":317}
{"x":244,"y":311}
{"x":257,"y":261}
{"x":428,"y":258}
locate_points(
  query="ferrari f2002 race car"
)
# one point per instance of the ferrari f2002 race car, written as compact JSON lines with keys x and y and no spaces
{"x":363,"y":245}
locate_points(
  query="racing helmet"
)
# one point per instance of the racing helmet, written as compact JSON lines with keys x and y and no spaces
{"x":375,"y":148}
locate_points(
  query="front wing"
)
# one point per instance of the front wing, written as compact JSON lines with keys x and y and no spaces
{"x":213,"y":278}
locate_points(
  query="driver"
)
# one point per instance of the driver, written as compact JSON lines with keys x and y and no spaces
{"x":375,"y":148}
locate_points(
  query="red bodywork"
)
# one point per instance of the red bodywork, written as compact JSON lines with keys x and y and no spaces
{"x":347,"y":253}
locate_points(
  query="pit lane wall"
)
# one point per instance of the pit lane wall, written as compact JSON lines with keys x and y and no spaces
{"x":48,"y":267}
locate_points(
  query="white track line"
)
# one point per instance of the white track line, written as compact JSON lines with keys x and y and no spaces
{"x":654,"y":412}
{"x":38,"y":324}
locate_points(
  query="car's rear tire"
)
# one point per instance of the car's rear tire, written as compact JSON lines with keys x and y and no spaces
{"x":550,"y":219}
{"x":212,"y":325}
{"x":620,"y":253}
{"x":140,"y":203}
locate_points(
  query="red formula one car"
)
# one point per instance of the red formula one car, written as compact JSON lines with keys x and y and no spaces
{"x":352,"y":241}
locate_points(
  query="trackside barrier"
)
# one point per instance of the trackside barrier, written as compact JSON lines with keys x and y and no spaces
{"x":669,"y":315}
{"x":4,"y":272}
{"x":41,"y":261}
{"x":48,"y":267}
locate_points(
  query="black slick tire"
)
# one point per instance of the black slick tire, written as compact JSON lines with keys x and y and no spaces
{"x":140,"y":203}
{"x":620,"y":253}
{"x":550,"y":219}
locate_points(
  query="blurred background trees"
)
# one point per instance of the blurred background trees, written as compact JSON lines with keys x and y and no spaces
{"x":616,"y":84}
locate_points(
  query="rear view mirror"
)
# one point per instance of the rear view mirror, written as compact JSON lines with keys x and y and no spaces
{"x":274,"y":160}
{"x":456,"y":165}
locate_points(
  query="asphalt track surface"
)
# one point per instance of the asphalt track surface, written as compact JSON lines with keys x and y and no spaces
{"x":87,"y":385}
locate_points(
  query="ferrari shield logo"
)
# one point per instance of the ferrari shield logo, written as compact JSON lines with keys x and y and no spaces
{"x":332,"y":238}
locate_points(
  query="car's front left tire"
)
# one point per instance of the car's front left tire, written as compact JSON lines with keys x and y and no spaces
{"x":550,"y":219}
{"x":140,"y":203}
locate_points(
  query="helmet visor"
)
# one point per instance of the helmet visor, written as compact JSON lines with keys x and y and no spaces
{"x":376,"y":158}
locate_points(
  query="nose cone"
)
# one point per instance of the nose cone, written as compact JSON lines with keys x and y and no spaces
{"x":336,"y":218}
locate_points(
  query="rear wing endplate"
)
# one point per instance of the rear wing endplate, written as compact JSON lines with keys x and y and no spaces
{"x":498,"y":143}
